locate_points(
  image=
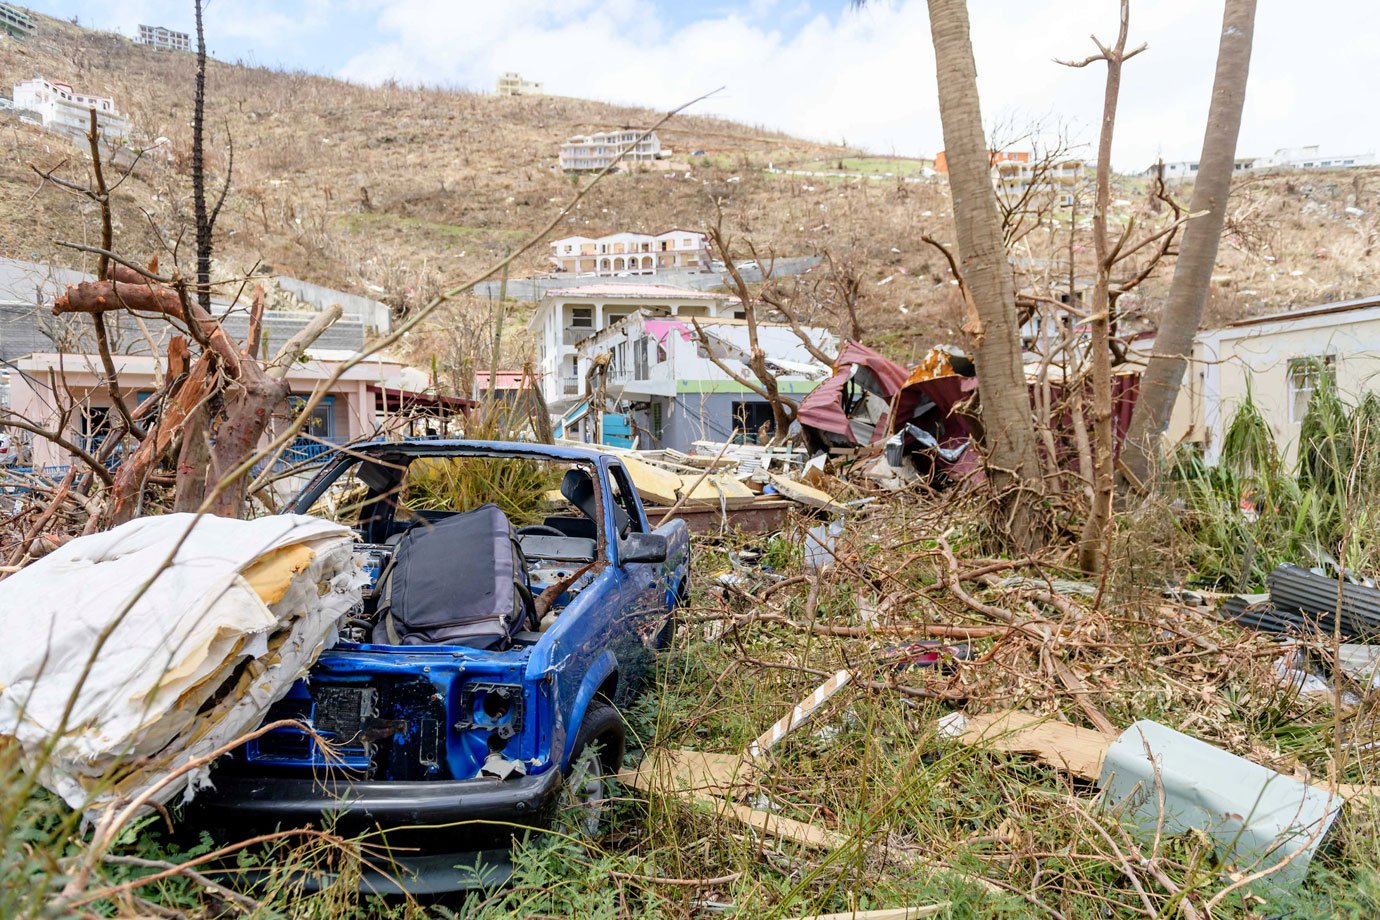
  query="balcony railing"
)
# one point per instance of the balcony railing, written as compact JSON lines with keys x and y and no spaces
{"x":307,"y":451}
{"x":574,"y":334}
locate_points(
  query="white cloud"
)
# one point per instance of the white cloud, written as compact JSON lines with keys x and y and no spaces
{"x":867,"y":76}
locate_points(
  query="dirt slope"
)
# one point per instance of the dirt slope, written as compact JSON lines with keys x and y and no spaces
{"x":391,"y":191}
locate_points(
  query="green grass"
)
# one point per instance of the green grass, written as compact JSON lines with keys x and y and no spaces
{"x":896,"y":166}
{"x":379,"y":221}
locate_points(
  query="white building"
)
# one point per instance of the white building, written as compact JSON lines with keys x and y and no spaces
{"x":1186,"y":170}
{"x":669,"y":381}
{"x":1311,"y":158}
{"x":1275,"y":361}
{"x":592,"y":152}
{"x":167,"y":39}
{"x":632,"y":253}
{"x":62,"y":109}
{"x":512,"y":84}
{"x":1023,"y":180}
{"x":567,"y":316}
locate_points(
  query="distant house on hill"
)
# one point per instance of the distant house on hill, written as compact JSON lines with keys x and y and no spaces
{"x":512,"y":84}
{"x":1184,"y":170}
{"x":14,"y":22}
{"x":166,"y":39}
{"x":632,"y":253}
{"x":62,"y":109}
{"x":593,"y":152}
{"x":1311,"y":158}
{"x":941,"y":160}
{"x":1038,"y":184}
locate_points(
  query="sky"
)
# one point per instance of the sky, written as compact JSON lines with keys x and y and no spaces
{"x":825,"y":70}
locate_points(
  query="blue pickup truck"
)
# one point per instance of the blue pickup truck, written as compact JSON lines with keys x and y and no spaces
{"x":444,"y":749}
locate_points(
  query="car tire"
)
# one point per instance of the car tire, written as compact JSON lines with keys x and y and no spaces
{"x":595,"y":760}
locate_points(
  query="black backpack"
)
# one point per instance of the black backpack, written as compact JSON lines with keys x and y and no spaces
{"x":460,"y":580}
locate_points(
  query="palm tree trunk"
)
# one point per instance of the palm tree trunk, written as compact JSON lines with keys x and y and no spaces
{"x":1183,"y":310}
{"x":1008,"y":430}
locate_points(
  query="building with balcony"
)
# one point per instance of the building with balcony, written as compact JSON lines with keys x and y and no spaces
{"x":632,"y":253}
{"x":566,"y":316}
{"x":665,"y":381}
{"x":593,"y":152}
{"x":941,"y":161}
{"x":377,"y":397}
{"x":512,"y":84}
{"x":62,"y":109}
{"x":1038,"y":185}
{"x":165,"y":39}
{"x":14,"y":22}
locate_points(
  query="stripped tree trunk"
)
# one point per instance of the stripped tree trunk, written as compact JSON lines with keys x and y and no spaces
{"x":1183,"y":310}
{"x":1009,"y":432}
{"x":1093,"y":542}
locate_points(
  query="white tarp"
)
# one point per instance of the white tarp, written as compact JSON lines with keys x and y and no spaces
{"x":161,"y":663}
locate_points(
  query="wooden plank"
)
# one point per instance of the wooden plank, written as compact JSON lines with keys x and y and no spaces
{"x":703,"y":778}
{"x":800,"y":492}
{"x":799,"y":713}
{"x":889,"y":913}
{"x":1063,"y":746}
{"x":654,"y":484}
{"x":761,"y":516}
{"x":716,"y":490}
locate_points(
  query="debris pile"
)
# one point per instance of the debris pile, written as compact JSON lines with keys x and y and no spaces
{"x":133,"y":654}
{"x":955,"y":669}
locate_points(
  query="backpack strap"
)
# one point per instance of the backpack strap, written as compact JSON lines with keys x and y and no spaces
{"x":384,"y":609}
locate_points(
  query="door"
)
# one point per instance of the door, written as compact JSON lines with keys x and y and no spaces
{"x":642,"y":590}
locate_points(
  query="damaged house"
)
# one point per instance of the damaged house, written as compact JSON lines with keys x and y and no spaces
{"x":661,"y":387}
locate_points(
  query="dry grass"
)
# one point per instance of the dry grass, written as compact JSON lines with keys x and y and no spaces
{"x":390,"y":191}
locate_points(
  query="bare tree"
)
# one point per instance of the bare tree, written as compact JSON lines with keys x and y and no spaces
{"x":1183,"y":310}
{"x":1009,"y":432}
{"x":1093,"y":540}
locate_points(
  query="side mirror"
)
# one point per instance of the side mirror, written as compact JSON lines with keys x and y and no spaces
{"x":643,"y":547}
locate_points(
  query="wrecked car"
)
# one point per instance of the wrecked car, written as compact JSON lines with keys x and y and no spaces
{"x":486,"y":665}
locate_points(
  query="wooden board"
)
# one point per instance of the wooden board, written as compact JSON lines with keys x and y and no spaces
{"x":800,"y":492}
{"x":1063,"y":746}
{"x":717,"y":489}
{"x":762,"y":516}
{"x":656,"y":485}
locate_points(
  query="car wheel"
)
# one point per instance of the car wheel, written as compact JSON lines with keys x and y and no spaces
{"x":594,"y":762}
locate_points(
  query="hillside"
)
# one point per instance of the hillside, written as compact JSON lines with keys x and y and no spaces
{"x":392,"y":191}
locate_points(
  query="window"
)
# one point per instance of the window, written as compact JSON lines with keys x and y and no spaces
{"x":658,"y":423}
{"x":750,"y":419}
{"x":321,"y":422}
{"x":640,"y":359}
{"x":1305,"y":374}
{"x":582,"y":317}
{"x":624,"y":496}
